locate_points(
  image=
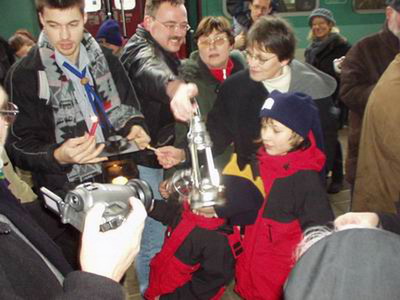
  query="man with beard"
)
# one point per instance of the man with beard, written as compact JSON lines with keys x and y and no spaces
{"x":364,"y":64}
{"x":150,"y":58}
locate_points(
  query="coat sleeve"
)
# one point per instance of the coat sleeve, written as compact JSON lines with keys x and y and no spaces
{"x":213,"y":253}
{"x":83,"y":285}
{"x":150,"y":74}
{"x":218,"y":123}
{"x":126,"y":93}
{"x":356,"y":85}
{"x":30,"y":143}
{"x":390,"y":222}
{"x":312,"y":207}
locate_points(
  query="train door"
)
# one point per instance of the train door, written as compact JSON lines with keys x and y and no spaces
{"x":128,"y":13}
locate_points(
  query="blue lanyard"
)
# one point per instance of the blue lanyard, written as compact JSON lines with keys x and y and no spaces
{"x":90,"y":92}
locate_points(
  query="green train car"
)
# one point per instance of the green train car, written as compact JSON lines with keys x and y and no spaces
{"x":355,"y":18}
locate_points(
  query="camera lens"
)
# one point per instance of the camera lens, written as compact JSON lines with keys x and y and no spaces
{"x":142,"y":191}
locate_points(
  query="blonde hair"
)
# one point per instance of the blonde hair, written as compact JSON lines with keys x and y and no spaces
{"x":311,"y":37}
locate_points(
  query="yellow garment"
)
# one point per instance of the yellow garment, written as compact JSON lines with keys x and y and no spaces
{"x":19,"y":188}
{"x":232,"y":168}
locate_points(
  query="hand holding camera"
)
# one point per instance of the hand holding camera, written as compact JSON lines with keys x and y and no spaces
{"x":115,"y":249}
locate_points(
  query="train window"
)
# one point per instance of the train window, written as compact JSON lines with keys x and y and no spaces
{"x":127,"y":4}
{"x":295,"y":5}
{"x":92,"y":5}
{"x":368,"y":4}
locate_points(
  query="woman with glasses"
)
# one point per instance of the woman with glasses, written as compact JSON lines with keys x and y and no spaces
{"x":208,"y":67}
{"x":327,"y":45}
{"x":270,"y":55}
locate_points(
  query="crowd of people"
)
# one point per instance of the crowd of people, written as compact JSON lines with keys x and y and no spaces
{"x":273,"y":121}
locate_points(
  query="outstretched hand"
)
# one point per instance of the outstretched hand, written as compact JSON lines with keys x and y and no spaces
{"x":80,"y":150}
{"x":181,"y":105}
{"x":367,"y":219}
{"x":111,"y":253}
{"x":169,"y":156}
{"x":139,"y":136}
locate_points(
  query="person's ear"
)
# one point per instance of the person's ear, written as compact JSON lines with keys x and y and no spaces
{"x":147,"y":22}
{"x":41,"y":19}
{"x":284,"y":62}
{"x":85,"y":18}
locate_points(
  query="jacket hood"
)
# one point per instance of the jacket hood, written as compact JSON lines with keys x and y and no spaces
{"x":302,"y":74}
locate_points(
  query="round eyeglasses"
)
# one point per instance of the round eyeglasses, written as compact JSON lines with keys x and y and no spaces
{"x":9,"y":112}
{"x":257,"y":58}
{"x":172,"y":26}
{"x":217,"y":41}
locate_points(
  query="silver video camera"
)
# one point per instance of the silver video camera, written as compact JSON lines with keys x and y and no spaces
{"x":77,"y":202}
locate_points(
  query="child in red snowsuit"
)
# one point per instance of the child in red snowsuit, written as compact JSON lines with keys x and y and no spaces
{"x":290,"y":164}
{"x":198,"y":255}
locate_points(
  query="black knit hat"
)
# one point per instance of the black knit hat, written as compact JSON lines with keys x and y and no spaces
{"x":354,"y":264}
{"x":322,"y":12}
{"x":111,"y":32}
{"x":394,"y":4}
{"x":296,"y":111}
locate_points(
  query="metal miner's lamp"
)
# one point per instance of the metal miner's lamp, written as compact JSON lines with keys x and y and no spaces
{"x":205,"y":181}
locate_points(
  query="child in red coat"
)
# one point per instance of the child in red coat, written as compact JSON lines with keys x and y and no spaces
{"x":291,"y":164}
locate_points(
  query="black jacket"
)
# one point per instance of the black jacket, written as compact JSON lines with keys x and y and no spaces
{"x":323,"y":60}
{"x":235,"y":115}
{"x":31,"y":142}
{"x":23,"y":273}
{"x":150,"y":68}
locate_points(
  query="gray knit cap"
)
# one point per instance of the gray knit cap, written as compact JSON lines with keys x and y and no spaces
{"x":324,"y":13}
{"x":394,"y":4}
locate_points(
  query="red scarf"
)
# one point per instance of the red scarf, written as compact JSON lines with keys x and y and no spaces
{"x":219,"y":73}
{"x":272,"y":167}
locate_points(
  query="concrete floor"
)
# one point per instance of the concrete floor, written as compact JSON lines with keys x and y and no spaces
{"x":340,"y":203}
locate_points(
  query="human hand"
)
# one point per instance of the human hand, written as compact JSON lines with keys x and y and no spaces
{"x":111,"y":253}
{"x":163,"y":189}
{"x":367,"y":219}
{"x":208,"y":212}
{"x":181,"y":105}
{"x":240,"y":41}
{"x":169,"y":156}
{"x":337,"y":64}
{"x":139,"y":136}
{"x":80,"y":150}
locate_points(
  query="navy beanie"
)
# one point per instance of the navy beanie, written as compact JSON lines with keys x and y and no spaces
{"x":321,"y":12}
{"x":394,"y":4}
{"x":296,"y":111}
{"x":110,"y":31}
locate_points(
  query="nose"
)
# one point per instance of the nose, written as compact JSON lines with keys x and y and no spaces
{"x":65,"y":33}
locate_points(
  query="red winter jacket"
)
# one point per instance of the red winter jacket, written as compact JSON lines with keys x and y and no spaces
{"x":269,"y":244}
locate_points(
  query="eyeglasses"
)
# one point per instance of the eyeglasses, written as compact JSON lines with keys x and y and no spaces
{"x":9,"y":112}
{"x":217,"y":41}
{"x":172,"y":26}
{"x":257,"y":58}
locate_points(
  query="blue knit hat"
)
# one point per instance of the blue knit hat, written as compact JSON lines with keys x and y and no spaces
{"x":394,"y":4}
{"x":321,"y":12}
{"x":110,"y":31}
{"x":296,"y":111}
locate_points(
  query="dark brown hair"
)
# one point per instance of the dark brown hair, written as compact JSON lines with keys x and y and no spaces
{"x":273,"y":34}
{"x":208,"y":24}
{"x":152,"y":6}
{"x":60,"y":4}
{"x":17,"y":41}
